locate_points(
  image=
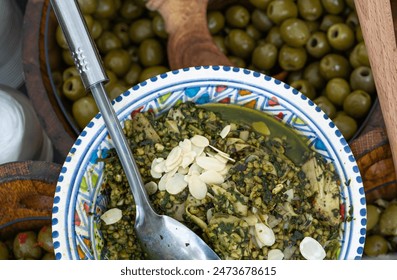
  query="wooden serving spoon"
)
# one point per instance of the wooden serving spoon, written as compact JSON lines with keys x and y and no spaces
{"x":377,"y":24}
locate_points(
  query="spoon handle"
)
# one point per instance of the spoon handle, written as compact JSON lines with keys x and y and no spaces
{"x":92,"y":73}
{"x":376,"y":20}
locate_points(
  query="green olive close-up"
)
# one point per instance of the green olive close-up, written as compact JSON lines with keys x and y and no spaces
{"x":292,"y":59}
{"x":312,"y":74}
{"x":334,"y":66}
{"x":73,"y":88}
{"x":359,"y":56}
{"x":84,"y":110}
{"x":357,"y":104}
{"x":346,"y":125}
{"x":88,"y":6}
{"x":294,"y":32}
{"x":318,"y":45}
{"x":336,"y":90}
{"x":131,"y":10}
{"x":44,"y":239}
{"x":237,"y":16}
{"x":240,"y":43}
{"x":340,"y":36}
{"x":108,"y":41}
{"x":388,"y":220}
{"x":215,"y":21}
{"x":375,"y":245}
{"x":326,"y":106}
{"x":280,"y":10}
{"x":334,"y":7}
{"x":310,"y":10}
{"x":261,"y":21}
{"x":362,"y":78}
{"x":260,"y":4}
{"x":265,"y":56}
{"x":105,"y":9}
{"x":140,"y":30}
{"x":151,"y":52}
{"x":373,"y":214}
{"x":118,"y":61}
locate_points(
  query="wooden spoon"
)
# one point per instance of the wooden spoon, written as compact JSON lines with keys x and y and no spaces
{"x":377,"y":25}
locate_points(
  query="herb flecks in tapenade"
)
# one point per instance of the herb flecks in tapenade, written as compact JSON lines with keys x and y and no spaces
{"x":265,"y":203}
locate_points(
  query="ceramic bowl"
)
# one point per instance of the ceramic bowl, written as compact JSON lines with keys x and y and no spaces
{"x":78,"y":202}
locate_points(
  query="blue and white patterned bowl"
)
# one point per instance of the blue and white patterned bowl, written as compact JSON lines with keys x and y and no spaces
{"x":78,"y":203}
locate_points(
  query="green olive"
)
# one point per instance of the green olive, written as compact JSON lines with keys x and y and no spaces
{"x":317,"y":45}
{"x":333,"y":6}
{"x":388,"y":220}
{"x":375,"y":245}
{"x":310,"y":9}
{"x":326,"y":106}
{"x":132,"y":76}
{"x":60,"y":38}
{"x":336,"y":90}
{"x":96,"y":30}
{"x":240,"y":43}
{"x":151,"y":72}
{"x":130,"y":10}
{"x":70,"y":72}
{"x":108,"y":41}
{"x":313,"y":26}
{"x":105,"y":9}
{"x":357,"y":104}
{"x":158,"y":25}
{"x":4,"y":253}
{"x":260,"y":4}
{"x":118,"y":61}
{"x":346,"y":125}
{"x":44,"y":239}
{"x":294,"y":32}
{"x":274,"y":37}
{"x":312,"y":74}
{"x":261,"y":21}
{"x":306,"y":88}
{"x":84,"y":110}
{"x":73,"y":88}
{"x":292,"y":59}
{"x":265,"y":56}
{"x":373,"y":214}
{"x":334,"y":66}
{"x":151,"y":52}
{"x":25,"y":246}
{"x":220,"y":43}
{"x":253,"y":32}
{"x":329,"y":20}
{"x":140,"y":30}
{"x":121,"y":31}
{"x":352,"y":20}
{"x":88,"y":6}
{"x":116,"y":89}
{"x":215,"y":21}
{"x":359,"y":56}
{"x":237,"y":16}
{"x":340,"y":36}
{"x":280,"y":10}
{"x":362,"y":78}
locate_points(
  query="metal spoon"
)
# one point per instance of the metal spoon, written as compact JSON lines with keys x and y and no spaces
{"x":162,"y":237}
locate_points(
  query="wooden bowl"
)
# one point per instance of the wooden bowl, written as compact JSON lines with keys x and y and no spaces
{"x":27,"y":191}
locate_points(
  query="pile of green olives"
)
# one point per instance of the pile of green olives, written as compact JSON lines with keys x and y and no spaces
{"x":317,"y":45}
{"x":131,"y":41}
{"x":381,"y":228}
{"x":28,"y":245}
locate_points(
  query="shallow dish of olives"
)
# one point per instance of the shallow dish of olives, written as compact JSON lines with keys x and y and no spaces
{"x":282,"y":174}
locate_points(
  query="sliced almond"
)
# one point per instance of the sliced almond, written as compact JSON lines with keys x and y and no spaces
{"x":264,"y":234}
{"x":275,"y":254}
{"x":200,"y":141}
{"x":208,"y":163}
{"x":112,"y":216}
{"x":176,"y":184}
{"x":225,"y":131}
{"x":311,"y":249}
{"x":211,"y":177}
{"x":197,"y":188}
